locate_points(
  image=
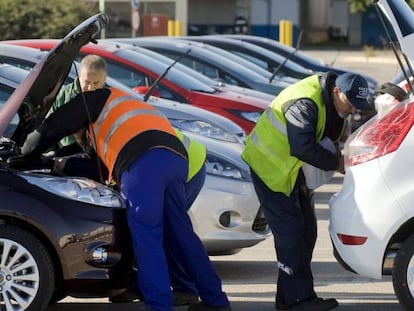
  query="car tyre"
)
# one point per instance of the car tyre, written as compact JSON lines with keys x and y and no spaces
{"x":27,"y":276}
{"x":403,"y":274}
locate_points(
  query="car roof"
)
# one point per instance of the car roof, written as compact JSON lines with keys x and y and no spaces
{"x":200,"y":50}
{"x":203,"y":78}
{"x":273,"y":45}
{"x":172,"y":109}
{"x":257,"y":54}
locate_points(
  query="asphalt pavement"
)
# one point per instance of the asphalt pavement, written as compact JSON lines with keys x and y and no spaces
{"x":249,"y":277}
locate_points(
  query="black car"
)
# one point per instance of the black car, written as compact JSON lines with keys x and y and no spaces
{"x":296,"y":56}
{"x":59,"y":236}
{"x":272,"y":62}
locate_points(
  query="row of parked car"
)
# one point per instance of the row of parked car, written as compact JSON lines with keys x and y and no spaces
{"x":64,"y":236}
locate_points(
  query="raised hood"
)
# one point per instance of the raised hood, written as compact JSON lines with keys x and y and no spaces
{"x":401,"y":17}
{"x":39,"y":89}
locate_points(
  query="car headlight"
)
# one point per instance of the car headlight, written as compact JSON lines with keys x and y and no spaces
{"x":75,"y":188}
{"x":206,"y":129}
{"x":220,"y":167}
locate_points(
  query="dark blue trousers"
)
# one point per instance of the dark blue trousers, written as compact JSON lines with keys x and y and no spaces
{"x":293,"y":223}
{"x":154,"y":188}
{"x":180,"y":280}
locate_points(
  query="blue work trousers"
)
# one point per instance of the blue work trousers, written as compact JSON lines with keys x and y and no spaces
{"x":154,"y":187}
{"x":293,"y":223}
{"x":180,"y":280}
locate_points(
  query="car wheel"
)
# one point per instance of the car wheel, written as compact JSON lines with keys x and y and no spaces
{"x":403,"y":274}
{"x":26,"y":271}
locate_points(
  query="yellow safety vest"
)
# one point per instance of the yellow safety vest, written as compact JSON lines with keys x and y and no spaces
{"x":267,"y":150}
{"x":196,"y":151}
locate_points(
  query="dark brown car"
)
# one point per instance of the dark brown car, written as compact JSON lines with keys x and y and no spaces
{"x":59,"y":236}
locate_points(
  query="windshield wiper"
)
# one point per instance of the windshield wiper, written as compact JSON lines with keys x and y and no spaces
{"x":286,"y":58}
{"x":152,"y":87}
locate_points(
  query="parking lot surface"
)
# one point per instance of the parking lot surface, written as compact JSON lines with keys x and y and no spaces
{"x":249,"y":277}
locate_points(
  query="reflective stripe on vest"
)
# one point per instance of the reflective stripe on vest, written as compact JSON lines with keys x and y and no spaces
{"x":122,"y":118}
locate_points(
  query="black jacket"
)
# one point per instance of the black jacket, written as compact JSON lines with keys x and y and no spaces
{"x":302,"y":117}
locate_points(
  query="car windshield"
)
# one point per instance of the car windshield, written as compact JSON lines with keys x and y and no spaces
{"x":180,"y":78}
{"x":14,"y":76}
{"x":167,"y":60}
{"x":240,"y":60}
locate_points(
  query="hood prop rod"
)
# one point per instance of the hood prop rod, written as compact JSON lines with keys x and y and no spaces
{"x":394,"y":49}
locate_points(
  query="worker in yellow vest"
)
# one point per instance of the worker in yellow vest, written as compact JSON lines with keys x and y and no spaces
{"x":287,"y":135}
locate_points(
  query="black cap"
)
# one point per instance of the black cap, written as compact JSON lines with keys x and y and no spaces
{"x":355,"y":88}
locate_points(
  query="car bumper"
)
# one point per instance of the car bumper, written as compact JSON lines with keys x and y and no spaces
{"x":364,"y":207}
{"x":225,"y":215}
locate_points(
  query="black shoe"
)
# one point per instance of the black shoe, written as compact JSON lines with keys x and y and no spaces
{"x":317,"y":304}
{"x":203,"y":307}
{"x":184,"y":298}
{"x":125,"y":296}
{"x":281,"y":306}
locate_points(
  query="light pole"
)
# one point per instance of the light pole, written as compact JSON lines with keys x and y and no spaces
{"x":102,"y":10}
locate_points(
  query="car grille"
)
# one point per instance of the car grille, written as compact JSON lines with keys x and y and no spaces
{"x":260,"y":222}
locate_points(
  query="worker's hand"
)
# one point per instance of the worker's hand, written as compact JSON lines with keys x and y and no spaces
{"x":341,"y":167}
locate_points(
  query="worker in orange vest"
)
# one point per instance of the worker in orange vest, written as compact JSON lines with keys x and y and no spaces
{"x":146,"y":158}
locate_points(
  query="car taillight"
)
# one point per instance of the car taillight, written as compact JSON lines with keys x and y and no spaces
{"x":380,"y":137}
{"x":351,"y":239}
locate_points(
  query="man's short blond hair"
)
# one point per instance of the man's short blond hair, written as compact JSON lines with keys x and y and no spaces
{"x":93,"y":63}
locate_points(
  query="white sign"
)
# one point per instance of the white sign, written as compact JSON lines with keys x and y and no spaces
{"x":135,"y":20}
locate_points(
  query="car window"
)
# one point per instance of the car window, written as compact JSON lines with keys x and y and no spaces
{"x":252,"y":59}
{"x":126,"y":76}
{"x":206,"y":69}
{"x":17,"y":62}
{"x":176,"y":76}
{"x":268,"y":61}
{"x":186,"y":69}
{"x":5,"y":93}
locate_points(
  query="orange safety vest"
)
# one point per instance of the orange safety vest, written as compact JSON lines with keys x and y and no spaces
{"x":122,"y":118}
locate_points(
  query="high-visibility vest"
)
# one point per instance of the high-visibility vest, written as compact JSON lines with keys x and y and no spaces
{"x":122,"y":118}
{"x":267,"y":150}
{"x":196,"y":152}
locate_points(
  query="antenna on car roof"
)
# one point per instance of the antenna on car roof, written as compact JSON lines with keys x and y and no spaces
{"x":394,"y":49}
{"x":287,"y":57}
{"x":152,"y":87}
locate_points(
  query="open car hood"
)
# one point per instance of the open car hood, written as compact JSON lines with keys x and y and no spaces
{"x":401,"y":17}
{"x":33,"y":98}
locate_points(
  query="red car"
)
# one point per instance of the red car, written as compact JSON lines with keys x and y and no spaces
{"x":140,"y":71}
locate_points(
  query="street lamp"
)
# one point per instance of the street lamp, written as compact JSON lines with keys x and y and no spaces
{"x":102,"y":10}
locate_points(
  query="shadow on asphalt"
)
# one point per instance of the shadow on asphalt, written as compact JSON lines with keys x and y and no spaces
{"x":261,"y":273}
{"x":236,"y":306}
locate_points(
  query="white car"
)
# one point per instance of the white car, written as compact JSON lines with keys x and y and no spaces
{"x":372,"y":217}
